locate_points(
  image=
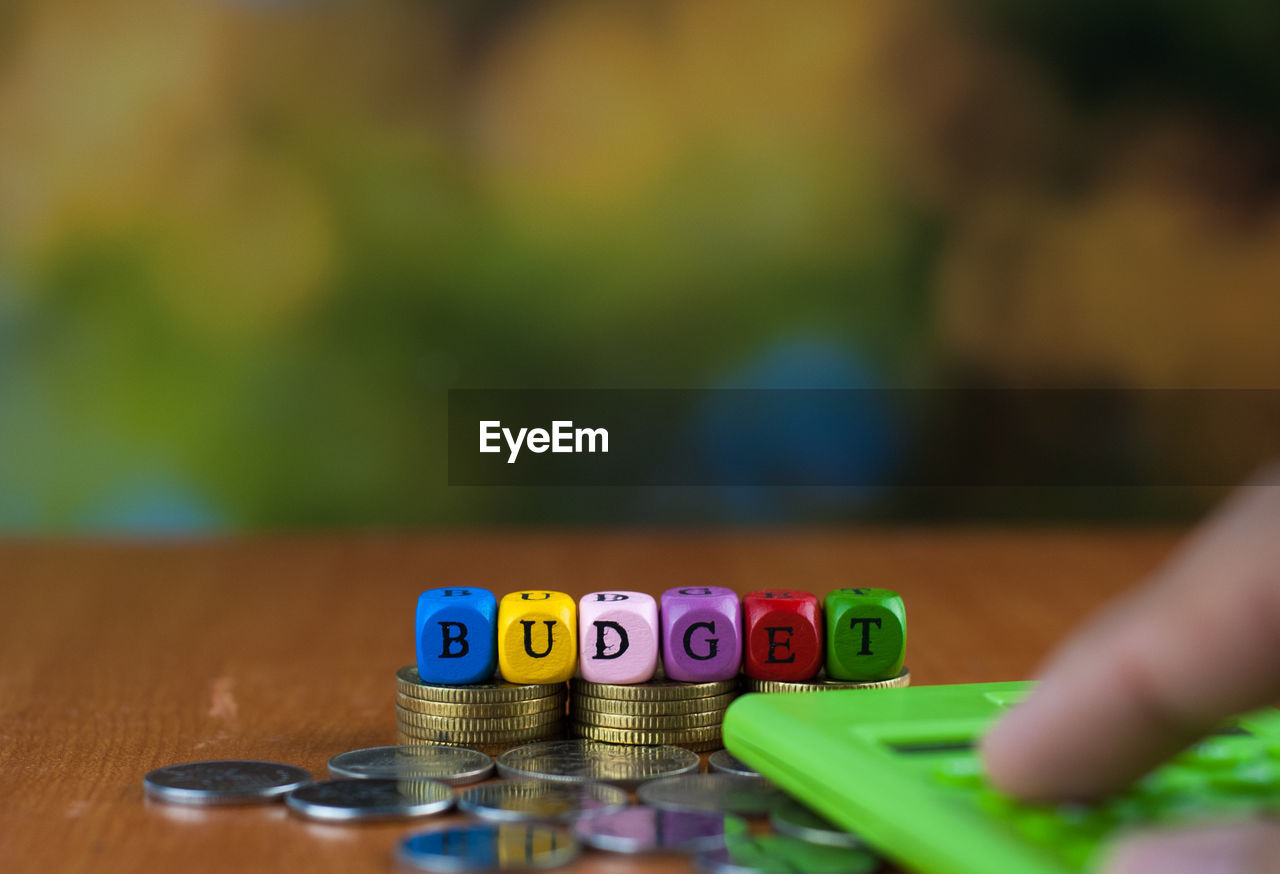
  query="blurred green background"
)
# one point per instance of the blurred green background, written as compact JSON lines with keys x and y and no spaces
{"x":246,"y":247}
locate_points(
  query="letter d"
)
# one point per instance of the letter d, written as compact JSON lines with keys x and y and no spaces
{"x":602,"y":649}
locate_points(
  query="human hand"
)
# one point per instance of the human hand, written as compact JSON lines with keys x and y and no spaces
{"x":1150,"y":675}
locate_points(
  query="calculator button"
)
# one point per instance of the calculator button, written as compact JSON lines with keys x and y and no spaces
{"x":1085,"y":816}
{"x":1199,"y":807}
{"x":1220,"y":752}
{"x":1078,"y":854}
{"x":1007,"y":699}
{"x":1038,"y":825}
{"x":1127,"y":810}
{"x":1248,"y":777}
{"x":1085,"y":823}
{"x":965,"y":772}
{"x":994,"y":803}
{"x":1172,"y":779}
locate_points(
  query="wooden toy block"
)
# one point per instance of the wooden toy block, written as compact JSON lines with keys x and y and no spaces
{"x":618,"y":637}
{"x":537,"y":637}
{"x":701,"y":633}
{"x":866,"y":634}
{"x":782,"y":630}
{"x":455,"y":634}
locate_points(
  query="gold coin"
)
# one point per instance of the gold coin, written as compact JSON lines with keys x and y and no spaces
{"x":647,"y":738}
{"x":466,"y":723}
{"x":479,"y":711}
{"x":654,"y":690}
{"x":409,"y":683}
{"x":750,"y":684}
{"x":491,"y":749}
{"x":652,"y":708}
{"x":648,"y":723}
{"x":432,"y":735}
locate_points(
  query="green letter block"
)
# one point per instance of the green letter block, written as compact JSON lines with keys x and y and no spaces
{"x":866,"y":634}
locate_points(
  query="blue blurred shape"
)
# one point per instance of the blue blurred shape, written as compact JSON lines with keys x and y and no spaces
{"x":155,"y":507}
{"x":823,"y":418}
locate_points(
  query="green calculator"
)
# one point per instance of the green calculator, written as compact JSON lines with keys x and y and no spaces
{"x":899,"y":767}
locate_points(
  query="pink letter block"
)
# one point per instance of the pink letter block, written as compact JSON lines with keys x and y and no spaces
{"x":618,"y":637}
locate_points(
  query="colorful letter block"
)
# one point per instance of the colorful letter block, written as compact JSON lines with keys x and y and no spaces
{"x":783,"y":633}
{"x":701,"y":633}
{"x":537,"y":637}
{"x":618,"y":634}
{"x":866,"y":634}
{"x":455,"y":633}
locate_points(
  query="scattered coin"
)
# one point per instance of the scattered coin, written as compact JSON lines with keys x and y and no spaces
{"x":725,"y":793}
{"x":654,"y":690}
{"x":362,"y":800}
{"x":781,"y":854}
{"x":823,"y":685}
{"x":649,"y":723}
{"x":479,"y":710}
{"x":708,"y":737}
{"x":465,"y":723}
{"x":726,"y":762}
{"x":579,"y":761}
{"x":540,"y":800}
{"x":675,"y":707}
{"x":792,"y":818}
{"x":647,"y":830}
{"x":227,"y":781}
{"x":455,"y":766}
{"x":409,"y":683}
{"x":489,"y":847}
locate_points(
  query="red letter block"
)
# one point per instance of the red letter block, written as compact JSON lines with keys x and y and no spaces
{"x":783,"y":631}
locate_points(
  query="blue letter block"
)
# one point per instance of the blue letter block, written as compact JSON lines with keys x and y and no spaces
{"x":457,"y":632}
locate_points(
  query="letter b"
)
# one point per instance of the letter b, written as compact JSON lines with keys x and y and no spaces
{"x":453,"y":640}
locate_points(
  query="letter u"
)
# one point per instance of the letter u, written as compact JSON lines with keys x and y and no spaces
{"x":528,"y":637}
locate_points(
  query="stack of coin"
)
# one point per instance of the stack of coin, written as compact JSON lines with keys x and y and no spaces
{"x":489,"y":717}
{"x":686,"y":715}
{"x":822,"y":683}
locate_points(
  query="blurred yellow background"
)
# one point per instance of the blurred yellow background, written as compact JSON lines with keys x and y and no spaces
{"x":245,"y":247}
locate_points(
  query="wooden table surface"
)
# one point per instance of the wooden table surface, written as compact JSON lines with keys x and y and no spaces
{"x":119,"y":658}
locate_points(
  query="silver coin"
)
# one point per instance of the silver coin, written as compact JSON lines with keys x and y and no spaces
{"x":583,"y":761}
{"x":647,"y":830}
{"x":782,"y":854}
{"x":725,"y":793}
{"x":508,"y":846}
{"x":727,"y":763}
{"x":352,"y":800}
{"x":540,"y":800}
{"x":227,"y":781}
{"x":456,"y":766}
{"x":794,"y":819}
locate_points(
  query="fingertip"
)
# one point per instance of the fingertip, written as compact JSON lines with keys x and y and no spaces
{"x":1012,"y":752}
{"x":1244,"y":848}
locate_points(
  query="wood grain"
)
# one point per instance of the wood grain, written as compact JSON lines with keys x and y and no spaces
{"x":118,"y":658}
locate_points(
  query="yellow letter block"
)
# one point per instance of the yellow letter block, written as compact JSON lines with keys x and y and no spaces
{"x":537,"y":637}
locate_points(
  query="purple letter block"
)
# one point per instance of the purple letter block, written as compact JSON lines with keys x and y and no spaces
{"x":701,"y":633}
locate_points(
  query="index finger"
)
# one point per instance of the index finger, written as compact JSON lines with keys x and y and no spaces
{"x":1158,"y":670}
